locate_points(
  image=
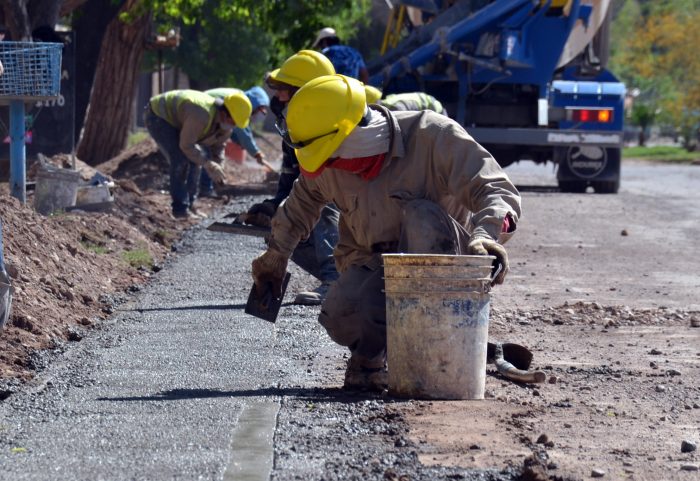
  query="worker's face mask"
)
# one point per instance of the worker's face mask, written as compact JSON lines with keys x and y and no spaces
{"x":258,"y":117}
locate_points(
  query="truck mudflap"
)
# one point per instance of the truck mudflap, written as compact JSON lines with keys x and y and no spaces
{"x":580,"y":166}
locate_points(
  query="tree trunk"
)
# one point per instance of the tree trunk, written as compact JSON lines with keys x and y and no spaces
{"x":110,"y":111}
{"x":642,"y":137}
{"x":89,"y":24}
{"x":43,"y":13}
{"x":17,"y":20}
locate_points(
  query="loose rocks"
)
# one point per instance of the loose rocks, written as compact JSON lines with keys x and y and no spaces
{"x":688,"y":446}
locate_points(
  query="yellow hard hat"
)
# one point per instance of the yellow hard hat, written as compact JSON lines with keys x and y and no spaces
{"x":239,"y":108}
{"x":302,"y":67}
{"x":321,"y":115}
{"x":373,"y":94}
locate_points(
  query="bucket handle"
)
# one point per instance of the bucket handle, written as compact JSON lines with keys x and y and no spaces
{"x":496,"y":268}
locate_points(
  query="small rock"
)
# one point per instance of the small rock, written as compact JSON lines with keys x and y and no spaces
{"x":660,"y":388}
{"x":11,"y":270}
{"x":624,"y":233}
{"x":399,"y":443}
{"x":474,"y":447}
{"x":695,"y":321}
{"x":689,"y":467}
{"x":567,"y":425}
{"x":553,"y":379}
{"x":688,"y":446}
{"x":597,"y":473}
{"x":655,"y":352}
{"x":673,"y":372}
{"x":543,"y":439}
{"x":653,"y":365}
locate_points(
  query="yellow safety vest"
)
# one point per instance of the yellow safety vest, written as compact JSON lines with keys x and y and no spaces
{"x":167,"y":106}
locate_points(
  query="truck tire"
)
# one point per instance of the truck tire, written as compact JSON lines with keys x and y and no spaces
{"x":573,"y":186}
{"x":606,"y":186}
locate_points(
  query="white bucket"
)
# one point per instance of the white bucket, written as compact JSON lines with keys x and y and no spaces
{"x":437,"y":325}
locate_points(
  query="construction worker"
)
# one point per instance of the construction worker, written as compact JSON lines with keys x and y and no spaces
{"x":411,"y":182}
{"x":314,"y":254}
{"x":412,"y":101}
{"x":190,"y":128}
{"x":404,"y":101}
{"x":345,"y":59}
{"x":260,"y":102}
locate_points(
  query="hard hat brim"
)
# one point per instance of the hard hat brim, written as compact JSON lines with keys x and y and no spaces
{"x":277,"y":76}
{"x":313,"y":156}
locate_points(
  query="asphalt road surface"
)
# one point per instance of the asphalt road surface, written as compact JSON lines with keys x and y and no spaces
{"x":182,"y":384}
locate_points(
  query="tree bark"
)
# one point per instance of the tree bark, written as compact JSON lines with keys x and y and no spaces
{"x":110,"y":111}
{"x":43,"y":13}
{"x":89,"y":24}
{"x":17,"y":20}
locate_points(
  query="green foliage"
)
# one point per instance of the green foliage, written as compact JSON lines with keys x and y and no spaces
{"x":95,"y":248}
{"x":138,"y":258}
{"x":233,"y":44}
{"x":652,"y":50}
{"x":643,"y":115}
{"x":660,"y":153}
{"x":136,"y":137}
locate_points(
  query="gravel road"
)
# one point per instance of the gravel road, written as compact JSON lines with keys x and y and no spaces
{"x":181,"y":384}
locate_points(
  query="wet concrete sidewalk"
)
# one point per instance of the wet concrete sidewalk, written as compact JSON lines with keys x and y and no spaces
{"x":180,"y":384}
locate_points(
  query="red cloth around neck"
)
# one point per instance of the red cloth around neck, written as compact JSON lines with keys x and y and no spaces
{"x":366,"y":167}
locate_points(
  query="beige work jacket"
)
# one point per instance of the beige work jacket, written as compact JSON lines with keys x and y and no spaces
{"x":194,"y":114}
{"x":430,"y":157}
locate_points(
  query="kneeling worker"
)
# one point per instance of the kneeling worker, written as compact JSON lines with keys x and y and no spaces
{"x":411,"y":182}
{"x":191,"y":128}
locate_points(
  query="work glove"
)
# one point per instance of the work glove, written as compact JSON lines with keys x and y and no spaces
{"x":266,"y":207}
{"x":215,"y":171}
{"x":269,"y":269}
{"x":260,"y":214}
{"x":482,"y":246}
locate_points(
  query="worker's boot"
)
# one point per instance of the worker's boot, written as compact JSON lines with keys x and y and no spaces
{"x":315,"y":297}
{"x":198,"y":214}
{"x":366,"y":374}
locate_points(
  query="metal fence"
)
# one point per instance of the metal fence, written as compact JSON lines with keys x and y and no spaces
{"x":32,"y":69}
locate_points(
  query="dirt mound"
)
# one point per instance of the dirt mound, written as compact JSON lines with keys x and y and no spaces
{"x":65,"y":267}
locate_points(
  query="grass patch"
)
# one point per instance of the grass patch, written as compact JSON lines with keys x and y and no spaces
{"x":138,"y":258}
{"x":136,"y":137}
{"x":96,"y":248}
{"x":661,"y":153}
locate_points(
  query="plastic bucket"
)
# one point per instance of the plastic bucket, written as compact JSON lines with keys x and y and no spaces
{"x":437,"y":326}
{"x":55,"y":189}
{"x":234,"y":152}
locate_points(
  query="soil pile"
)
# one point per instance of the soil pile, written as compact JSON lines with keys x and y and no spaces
{"x":66,"y":267}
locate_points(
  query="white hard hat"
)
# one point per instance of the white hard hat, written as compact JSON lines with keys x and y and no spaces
{"x":324,"y":33}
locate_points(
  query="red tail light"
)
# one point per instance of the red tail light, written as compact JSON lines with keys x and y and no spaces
{"x":603,"y":116}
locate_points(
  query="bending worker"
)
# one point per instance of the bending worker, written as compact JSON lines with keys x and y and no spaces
{"x":404,"y":101}
{"x":411,"y":182}
{"x":191,"y":128}
{"x":260,"y":102}
{"x":314,"y":254}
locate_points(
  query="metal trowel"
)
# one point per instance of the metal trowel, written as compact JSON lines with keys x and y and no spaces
{"x":519,"y":356}
{"x":513,"y":362}
{"x":264,"y":304}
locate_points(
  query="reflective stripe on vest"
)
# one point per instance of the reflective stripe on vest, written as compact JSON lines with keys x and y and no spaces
{"x":166,"y":106}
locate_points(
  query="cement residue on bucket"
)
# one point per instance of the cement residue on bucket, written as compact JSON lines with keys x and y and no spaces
{"x":56,"y":189}
{"x":437,"y":324}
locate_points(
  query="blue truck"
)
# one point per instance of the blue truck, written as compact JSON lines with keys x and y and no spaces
{"x":526,"y":78}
